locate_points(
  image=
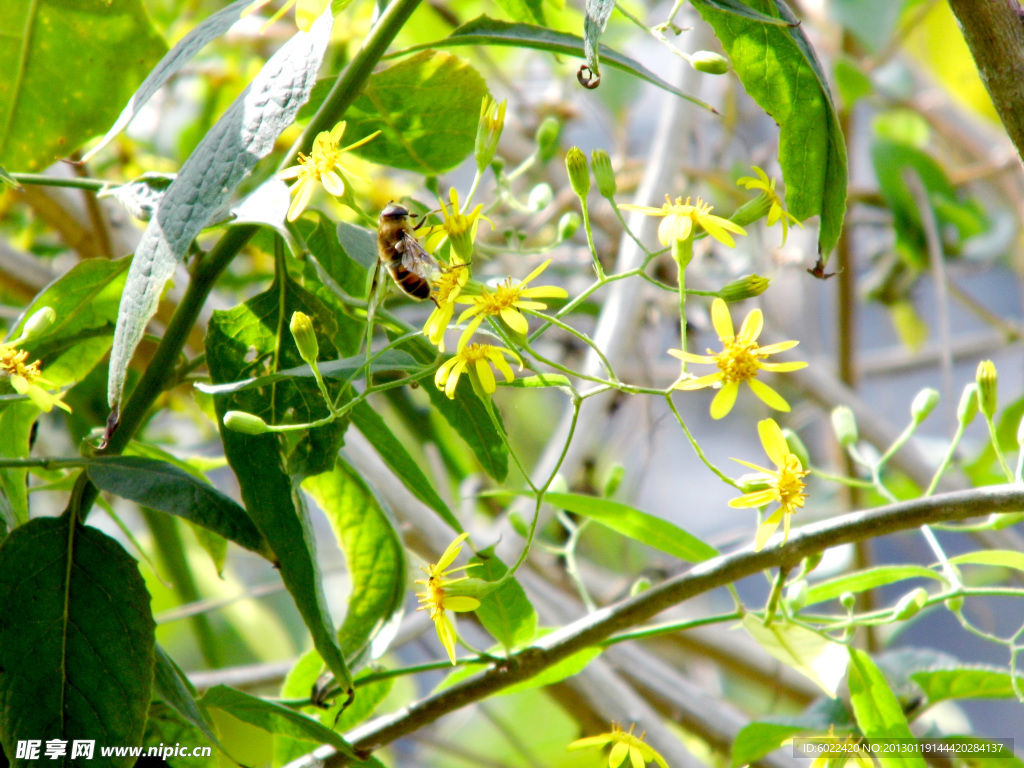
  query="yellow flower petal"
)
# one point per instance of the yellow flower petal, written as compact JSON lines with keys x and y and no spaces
{"x":773,"y":441}
{"x":724,"y":400}
{"x":768,"y":396}
{"x":722,"y":320}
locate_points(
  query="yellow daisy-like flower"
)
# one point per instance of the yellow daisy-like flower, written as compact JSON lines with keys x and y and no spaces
{"x":26,"y":377}
{"x":478,"y":358}
{"x":740,"y":360}
{"x":505,"y":302}
{"x":458,"y":227}
{"x":784,"y":484}
{"x":682,"y":218}
{"x":777,"y":212}
{"x":449,"y":284}
{"x":435,"y":600}
{"x":323,"y":165}
{"x":624,"y":744}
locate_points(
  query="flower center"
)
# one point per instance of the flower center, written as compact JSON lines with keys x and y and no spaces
{"x":738,"y":361}
{"x":12,"y":362}
{"x":789,"y":485}
{"x":474,"y":353}
{"x":504,"y":297}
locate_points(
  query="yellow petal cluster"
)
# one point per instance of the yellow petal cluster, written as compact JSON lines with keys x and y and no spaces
{"x":436,"y":600}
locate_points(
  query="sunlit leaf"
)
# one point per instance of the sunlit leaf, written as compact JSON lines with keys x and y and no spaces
{"x":816,"y":657}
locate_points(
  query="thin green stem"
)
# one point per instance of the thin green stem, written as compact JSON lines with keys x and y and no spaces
{"x":696,"y":446}
{"x":646,"y":633}
{"x":42,"y":180}
{"x":682,"y":254}
{"x":598,"y":269}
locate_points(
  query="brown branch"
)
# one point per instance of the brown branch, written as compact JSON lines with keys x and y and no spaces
{"x":994,"y":31}
{"x":704,"y":577}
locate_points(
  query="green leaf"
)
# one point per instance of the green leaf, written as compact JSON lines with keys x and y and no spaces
{"x":300,"y":681}
{"x":426,"y":108}
{"x":375,"y":558}
{"x":648,"y":529}
{"x":398,"y":460}
{"x":76,"y":639}
{"x":360,"y":245}
{"x":870,"y":578}
{"x":166,"y":727}
{"x":164,"y":487}
{"x":506,"y":612}
{"x":173,"y":688}
{"x":779,"y":70}
{"x":1003,"y":558}
{"x":821,"y":660}
{"x":68,"y":65}
{"x":595,"y":20}
{"x":756,"y":740}
{"x":85,"y":300}
{"x":487,"y":31}
{"x":16,"y":420}
{"x":229,"y":151}
{"x":877,"y":710}
{"x":273,"y":718}
{"x":529,"y":11}
{"x":270,"y":499}
{"x":541,"y":381}
{"x":965,"y":683}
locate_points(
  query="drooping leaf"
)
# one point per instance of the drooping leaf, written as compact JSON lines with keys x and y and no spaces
{"x":167,"y":488}
{"x":86,"y":57}
{"x":181,"y":54}
{"x":174,"y":689}
{"x":16,"y":420}
{"x":816,"y":657}
{"x":243,"y":136}
{"x":487,"y":31}
{"x":76,"y":639}
{"x":506,"y":612}
{"x":780,"y":71}
{"x":258,"y":461}
{"x":395,"y":455}
{"x":273,"y":718}
{"x":373,"y":553}
{"x":647,"y":529}
{"x":966,"y":683}
{"x":871,"y":578}
{"x":594,"y":21}
{"x":166,"y":727}
{"x":426,"y":107}
{"x":878,"y":711}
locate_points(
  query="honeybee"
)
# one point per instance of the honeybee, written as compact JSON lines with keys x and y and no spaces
{"x":400,"y":253}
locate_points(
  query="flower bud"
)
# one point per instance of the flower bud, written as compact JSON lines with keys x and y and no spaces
{"x":848,"y":600}
{"x":579,"y":173}
{"x":547,"y":136}
{"x":910,"y":604}
{"x":745,"y":287}
{"x":640,"y":585}
{"x":568,"y":224}
{"x":305,"y":337}
{"x":797,"y":447}
{"x":709,"y":63}
{"x":613,"y":480}
{"x":753,"y":210}
{"x":955,"y":604}
{"x":244,"y":422}
{"x":968,"y":407}
{"x":603,"y":173}
{"x":540,"y":197}
{"x":488,"y":130}
{"x":796,"y":594}
{"x":470,"y":587}
{"x":844,"y":424}
{"x":38,"y":323}
{"x":924,"y":403}
{"x":987,"y":380}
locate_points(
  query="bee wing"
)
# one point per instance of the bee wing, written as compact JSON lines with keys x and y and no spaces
{"x":415,"y":257}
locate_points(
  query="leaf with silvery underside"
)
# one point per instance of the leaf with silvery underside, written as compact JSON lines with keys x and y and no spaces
{"x":596,"y":19}
{"x":243,"y":136}
{"x":209,"y":29}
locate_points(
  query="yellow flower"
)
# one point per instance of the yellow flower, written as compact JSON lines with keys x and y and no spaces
{"x":784,"y":484}
{"x":26,"y":377}
{"x":437,"y":602}
{"x":458,"y":227}
{"x":478,"y":356}
{"x":323,"y":165}
{"x":681,"y":219}
{"x":625,"y":744}
{"x":739,"y":360}
{"x":449,"y":284}
{"x":777,"y":212}
{"x":506,"y":301}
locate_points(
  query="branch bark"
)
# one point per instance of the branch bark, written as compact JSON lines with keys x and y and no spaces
{"x":994,"y":31}
{"x":598,"y":626}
